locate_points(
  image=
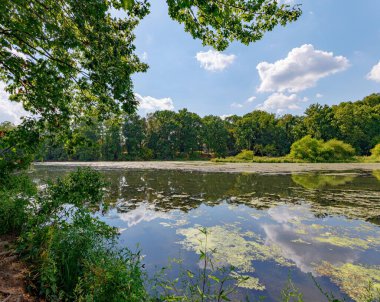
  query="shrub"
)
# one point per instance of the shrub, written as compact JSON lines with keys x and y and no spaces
{"x":375,"y":152}
{"x":245,"y":155}
{"x":338,"y":151}
{"x":312,"y":150}
{"x":16,"y":192}
{"x":72,"y":255}
{"x":308,"y":149}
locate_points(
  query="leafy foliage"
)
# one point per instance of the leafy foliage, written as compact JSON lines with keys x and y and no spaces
{"x":375,"y":152}
{"x":185,"y":135}
{"x":314,"y":150}
{"x":72,"y":255}
{"x":218,"y":22}
{"x":71,"y":61}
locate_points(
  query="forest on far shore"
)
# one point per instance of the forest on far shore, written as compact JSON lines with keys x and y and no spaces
{"x":167,"y":135}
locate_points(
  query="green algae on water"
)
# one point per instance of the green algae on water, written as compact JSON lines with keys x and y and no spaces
{"x":356,"y":280}
{"x":232,"y":248}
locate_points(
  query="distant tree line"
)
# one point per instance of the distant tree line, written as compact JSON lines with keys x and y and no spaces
{"x":185,"y":135}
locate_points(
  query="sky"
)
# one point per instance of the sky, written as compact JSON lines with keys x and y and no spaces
{"x":331,"y":54}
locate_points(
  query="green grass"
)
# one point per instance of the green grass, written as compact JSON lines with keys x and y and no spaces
{"x":286,"y":159}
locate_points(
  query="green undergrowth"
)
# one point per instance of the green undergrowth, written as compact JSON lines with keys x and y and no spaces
{"x":256,"y":159}
{"x":72,"y":256}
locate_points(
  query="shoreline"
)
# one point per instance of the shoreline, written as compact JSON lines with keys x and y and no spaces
{"x":206,"y":166}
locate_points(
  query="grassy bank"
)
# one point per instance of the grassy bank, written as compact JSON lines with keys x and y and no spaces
{"x":286,"y":159}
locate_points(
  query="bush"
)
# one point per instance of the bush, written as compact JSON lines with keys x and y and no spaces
{"x":245,"y":155}
{"x":338,"y":151}
{"x":72,"y":255}
{"x":15,"y":194}
{"x":375,"y":152}
{"x":313,"y":150}
{"x":308,"y":149}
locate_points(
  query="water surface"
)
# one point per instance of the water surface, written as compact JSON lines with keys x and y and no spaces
{"x":270,"y":227}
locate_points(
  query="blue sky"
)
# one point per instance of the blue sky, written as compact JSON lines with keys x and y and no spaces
{"x":348,"y":29}
{"x":331,"y":54}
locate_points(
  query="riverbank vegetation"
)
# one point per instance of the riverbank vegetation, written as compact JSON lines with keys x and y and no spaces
{"x":344,"y":132}
{"x":70,"y":65}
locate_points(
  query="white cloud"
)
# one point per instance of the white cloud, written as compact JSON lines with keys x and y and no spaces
{"x":144,"y":56}
{"x":279,"y":102}
{"x":247,"y":102}
{"x":149,"y":104}
{"x":214,"y":60}
{"x":236,"y":105}
{"x":300,"y":70}
{"x":319,"y":95}
{"x":251,"y":99}
{"x":9,"y":111}
{"x":224,"y":116}
{"x":374,"y":74}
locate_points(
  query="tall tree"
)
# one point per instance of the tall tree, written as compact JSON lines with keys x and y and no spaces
{"x":189,"y":132}
{"x":134,"y":135}
{"x":163,"y":134}
{"x":68,"y":59}
{"x":319,"y":122}
{"x":215,"y":135}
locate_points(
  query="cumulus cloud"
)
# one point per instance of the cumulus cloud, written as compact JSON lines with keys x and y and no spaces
{"x":10,"y":111}
{"x":374,"y":74}
{"x":224,"y":116}
{"x":251,"y":99}
{"x":214,"y":60}
{"x":236,"y":105}
{"x":149,"y":104}
{"x":241,"y":105}
{"x":319,"y":95}
{"x":300,"y":70}
{"x":279,"y":102}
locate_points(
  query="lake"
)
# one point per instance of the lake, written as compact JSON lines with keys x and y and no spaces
{"x":271,"y":227}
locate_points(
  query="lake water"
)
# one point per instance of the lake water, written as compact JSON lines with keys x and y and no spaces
{"x":270,"y":227}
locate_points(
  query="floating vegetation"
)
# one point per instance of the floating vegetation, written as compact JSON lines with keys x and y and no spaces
{"x":313,"y":181}
{"x":232,"y":247}
{"x":248,"y":282}
{"x":376,"y":173}
{"x":359,"y":282}
{"x":299,"y":240}
{"x":346,"y":242}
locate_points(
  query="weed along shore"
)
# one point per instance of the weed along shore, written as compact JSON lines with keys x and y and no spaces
{"x":203,"y":166}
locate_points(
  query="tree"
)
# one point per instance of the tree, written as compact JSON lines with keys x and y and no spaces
{"x":66,"y":60}
{"x":112,"y":140}
{"x":134,"y":135}
{"x":319,"y":122}
{"x":290,"y":129}
{"x":257,"y":131}
{"x":215,"y":135}
{"x":218,"y":22}
{"x":189,"y":132}
{"x":163,"y":133}
{"x":359,"y":124}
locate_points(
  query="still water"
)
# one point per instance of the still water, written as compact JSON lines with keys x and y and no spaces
{"x":270,"y":227}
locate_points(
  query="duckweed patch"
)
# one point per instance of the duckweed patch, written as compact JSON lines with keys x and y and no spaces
{"x":231,"y":247}
{"x":344,"y":242}
{"x":357,"y":281}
